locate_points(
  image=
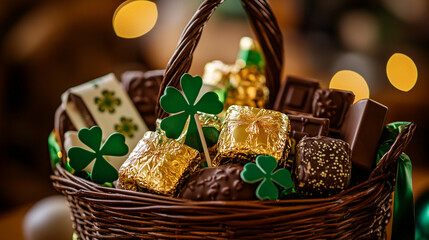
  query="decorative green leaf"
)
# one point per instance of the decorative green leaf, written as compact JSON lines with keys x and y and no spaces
{"x":91,"y":137}
{"x":102,"y":171}
{"x":211,"y":135}
{"x":283,"y":178}
{"x":173,"y":125}
{"x":263,"y":170}
{"x":191,"y":87}
{"x":114,"y":145}
{"x":173,"y":101}
{"x":80,"y":158}
{"x":267,"y":190}
{"x":210,"y":103}
{"x":251,"y":173}
{"x":267,"y":164}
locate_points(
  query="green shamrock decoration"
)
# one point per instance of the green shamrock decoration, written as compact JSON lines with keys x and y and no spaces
{"x":102,"y":171}
{"x":183,"y":107}
{"x":263,"y":170}
{"x":108,"y":101}
{"x":127,"y":127}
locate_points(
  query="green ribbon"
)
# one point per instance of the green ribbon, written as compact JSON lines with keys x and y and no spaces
{"x":403,"y":226}
{"x":54,"y":151}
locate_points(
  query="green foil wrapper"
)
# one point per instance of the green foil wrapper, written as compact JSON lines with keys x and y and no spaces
{"x":159,"y":165}
{"x":403,"y":226}
{"x":248,"y":132}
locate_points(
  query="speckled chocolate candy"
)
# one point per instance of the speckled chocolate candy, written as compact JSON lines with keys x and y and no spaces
{"x":221,"y":183}
{"x":322,"y":166}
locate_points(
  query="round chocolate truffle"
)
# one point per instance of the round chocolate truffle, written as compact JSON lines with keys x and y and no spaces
{"x":221,"y":183}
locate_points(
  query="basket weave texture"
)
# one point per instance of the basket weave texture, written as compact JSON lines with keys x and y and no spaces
{"x":361,"y":212}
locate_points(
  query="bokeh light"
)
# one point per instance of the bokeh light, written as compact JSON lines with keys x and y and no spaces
{"x":351,"y":81}
{"x":134,"y":18}
{"x":402,"y":72}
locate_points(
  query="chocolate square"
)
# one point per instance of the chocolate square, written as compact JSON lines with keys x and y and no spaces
{"x":143,"y":90}
{"x":296,"y":94}
{"x":322,"y":166}
{"x":332,"y":104}
{"x":362,"y":128}
{"x":303,"y":125}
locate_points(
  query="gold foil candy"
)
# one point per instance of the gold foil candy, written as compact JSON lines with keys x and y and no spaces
{"x":248,"y":88}
{"x":158,"y":164}
{"x":248,"y":132}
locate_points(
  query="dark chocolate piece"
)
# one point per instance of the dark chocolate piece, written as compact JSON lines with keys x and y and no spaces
{"x":322,"y":166}
{"x":143,"y":90}
{"x":332,"y":104}
{"x":221,"y":183}
{"x":362,"y":128}
{"x":303,"y":125}
{"x":296,"y":94}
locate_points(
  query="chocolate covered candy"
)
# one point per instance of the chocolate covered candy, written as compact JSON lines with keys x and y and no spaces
{"x":296,"y":95}
{"x":221,"y":183}
{"x":143,"y":88}
{"x":322,"y":166}
{"x":248,"y":132}
{"x":362,"y":128}
{"x":332,"y":104}
{"x":159,"y":165}
{"x":303,"y":125}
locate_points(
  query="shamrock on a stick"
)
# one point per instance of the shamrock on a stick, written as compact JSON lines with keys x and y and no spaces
{"x":102,"y":171}
{"x":263,"y":170}
{"x":184,"y":107}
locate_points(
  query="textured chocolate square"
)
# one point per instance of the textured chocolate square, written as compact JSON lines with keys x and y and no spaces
{"x":332,"y":104}
{"x":143,"y":90}
{"x":322,"y":166}
{"x":296,"y":94}
{"x":303,"y":125}
{"x":362,"y":128}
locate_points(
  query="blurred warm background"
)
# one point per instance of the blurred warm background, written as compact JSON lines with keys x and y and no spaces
{"x":48,"y":46}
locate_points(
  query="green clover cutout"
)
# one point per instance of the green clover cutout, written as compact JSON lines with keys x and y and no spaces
{"x":184,"y":107}
{"x":108,"y":101}
{"x":263,"y":170}
{"x":102,"y":171}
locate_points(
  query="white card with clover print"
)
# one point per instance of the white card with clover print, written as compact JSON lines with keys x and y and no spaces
{"x":107,"y":104}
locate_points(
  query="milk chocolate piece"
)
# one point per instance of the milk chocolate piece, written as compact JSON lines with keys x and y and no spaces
{"x":296,"y":95}
{"x":143,"y":90}
{"x":362,"y":128}
{"x":332,"y":104}
{"x":221,"y":183}
{"x":303,"y":125}
{"x":322,"y":166}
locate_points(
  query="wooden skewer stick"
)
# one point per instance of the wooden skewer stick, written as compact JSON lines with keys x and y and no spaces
{"x":203,"y":140}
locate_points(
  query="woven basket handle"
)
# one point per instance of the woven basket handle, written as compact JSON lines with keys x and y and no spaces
{"x":387,"y":164}
{"x":264,"y":25}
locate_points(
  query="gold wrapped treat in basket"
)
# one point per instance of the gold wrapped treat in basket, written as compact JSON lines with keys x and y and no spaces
{"x":164,"y":212}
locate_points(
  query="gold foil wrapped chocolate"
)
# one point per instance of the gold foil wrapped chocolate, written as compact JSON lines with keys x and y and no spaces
{"x":159,"y":165}
{"x":248,"y":83}
{"x":248,"y":132}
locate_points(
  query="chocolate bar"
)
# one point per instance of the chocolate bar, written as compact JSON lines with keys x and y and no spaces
{"x":296,"y":95}
{"x":322,"y":167}
{"x":362,"y":128}
{"x":332,"y":104}
{"x":303,"y":125}
{"x":143,"y":90}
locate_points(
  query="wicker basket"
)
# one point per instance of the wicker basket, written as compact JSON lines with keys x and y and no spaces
{"x":362,"y":211}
